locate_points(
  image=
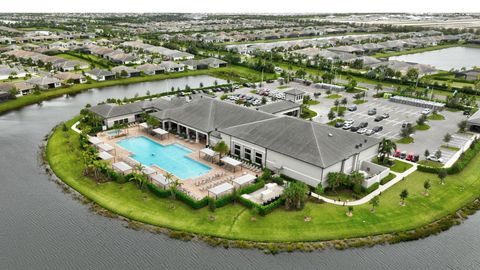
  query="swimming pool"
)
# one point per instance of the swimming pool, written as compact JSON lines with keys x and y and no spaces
{"x":171,"y":158}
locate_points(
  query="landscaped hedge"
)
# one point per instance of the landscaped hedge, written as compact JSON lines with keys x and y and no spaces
{"x":387,"y":179}
{"x":459,"y":165}
{"x":195,"y":204}
{"x":372,"y":188}
{"x":162,"y":193}
{"x":262,"y":209}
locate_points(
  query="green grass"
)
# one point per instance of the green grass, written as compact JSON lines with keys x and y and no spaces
{"x":412,"y":51}
{"x":234,"y":221}
{"x":283,"y":86}
{"x":359,"y":101}
{"x":422,"y":127}
{"x":234,"y":73}
{"x":312,"y":102}
{"x":450,"y":147}
{"x":333,"y":96}
{"x":387,"y":178}
{"x":334,"y":121}
{"x":452,"y":109}
{"x":307,"y":113}
{"x":436,"y":117}
{"x":405,"y":140}
{"x":340,"y":109}
{"x":400,"y":166}
{"x":430,"y":163}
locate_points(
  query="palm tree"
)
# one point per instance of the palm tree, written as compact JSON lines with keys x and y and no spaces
{"x":375,"y":201}
{"x":426,"y":186}
{"x":221,"y":147}
{"x":138,"y":179}
{"x":138,"y":168}
{"x":403,"y":196}
{"x":173,"y":183}
{"x":385,"y":149}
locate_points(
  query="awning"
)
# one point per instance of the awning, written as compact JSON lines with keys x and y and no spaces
{"x":244,"y":179}
{"x":122,"y":166}
{"x":209,"y":152}
{"x":105,"y":147}
{"x":160,"y":131}
{"x":220,"y":189}
{"x":230,"y":161}
{"x":94,"y":140}
{"x":144,"y":125}
{"x":160,"y":179}
{"x":105,"y":156}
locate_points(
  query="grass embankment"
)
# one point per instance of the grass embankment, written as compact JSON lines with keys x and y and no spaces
{"x":422,"y":127}
{"x":234,"y":221}
{"x":417,"y":50}
{"x":436,"y":117}
{"x":234,"y":73}
{"x":430,"y":163}
{"x":406,"y":140}
{"x":397,"y":166}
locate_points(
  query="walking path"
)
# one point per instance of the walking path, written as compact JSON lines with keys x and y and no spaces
{"x":380,"y":189}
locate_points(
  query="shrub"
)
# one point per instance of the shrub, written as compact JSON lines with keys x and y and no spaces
{"x":371,"y":188}
{"x":262,"y":209}
{"x":195,"y":204}
{"x":162,"y":193}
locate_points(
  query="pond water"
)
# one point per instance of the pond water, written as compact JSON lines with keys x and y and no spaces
{"x":43,"y":228}
{"x":445,"y":59}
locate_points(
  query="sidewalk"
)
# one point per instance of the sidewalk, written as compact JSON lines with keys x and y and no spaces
{"x":380,"y":189}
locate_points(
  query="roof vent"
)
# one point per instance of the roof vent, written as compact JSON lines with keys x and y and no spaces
{"x":356,"y":146}
{"x":365,"y":141}
{"x":360,"y":145}
{"x":330,"y":135}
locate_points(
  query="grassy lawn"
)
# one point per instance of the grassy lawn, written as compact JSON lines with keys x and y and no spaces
{"x":340,"y":109}
{"x":333,"y":96}
{"x":233,"y":73}
{"x":307,"y":113}
{"x":422,"y":127}
{"x":436,"y":117}
{"x":412,"y":51}
{"x":283,"y":86}
{"x":359,"y":101}
{"x":450,"y":147}
{"x":400,"y":166}
{"x":387,"y":178}
{"x":333,"y":122}
{"x":312,"y":102}
{"x":405,"y":140}
{"x":430,"y":163}
{"x":234,"y":221}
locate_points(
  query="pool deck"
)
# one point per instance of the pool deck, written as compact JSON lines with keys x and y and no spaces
{"x":195,"y":187}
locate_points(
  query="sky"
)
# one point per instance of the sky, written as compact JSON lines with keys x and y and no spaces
{"x":242,"y":6}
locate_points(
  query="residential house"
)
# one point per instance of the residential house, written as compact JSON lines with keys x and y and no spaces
{"x":100,"y":74}
{"x":45,"y":82}
{"x":151,"y":69}
{"x":70,"y":77}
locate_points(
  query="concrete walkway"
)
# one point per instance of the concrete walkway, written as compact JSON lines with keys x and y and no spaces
{"x":74,"y":127}
{"x":380,"y":189}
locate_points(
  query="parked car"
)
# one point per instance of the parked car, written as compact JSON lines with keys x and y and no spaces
{"x":338,"y":124}
{"x":385,"y":115}
{"x":370,"y":132}
{"x":347,"y":126}
{"x":363,"y":124}
{"x":409,"y":157}
{"x":406,"y":124}
{"x":378,"y":118}
{"x":434,"y":158}
{"x":397,"y":153}
{"x":377,"y":128}
{"x":352,"y":108}
{"x":416,"y":158}
{"x":372,"y":111}
{"x":466,"y":112}
{"x":362,"y":131}
{"x":355,"y":128}
{"x":426,"y":111}
{"x":403,"y":154}
{"x":349,"y":122}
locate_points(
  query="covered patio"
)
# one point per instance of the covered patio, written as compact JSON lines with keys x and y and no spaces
{"x":220,"y":190}
{"x":160,"y":133}
{"x":122,"y":167}
{"x":160,"y":180}
{"x":244,"y":180}
{"x":208,"y":154}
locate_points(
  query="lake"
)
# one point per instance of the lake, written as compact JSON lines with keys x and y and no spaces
{"x":445,"y":59}
{"x":43,"y":228}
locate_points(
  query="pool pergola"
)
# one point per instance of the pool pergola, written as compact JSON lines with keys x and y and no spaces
{"x":244,"y":180}
{"x":220,"y":190}
{"x":105,"y":147}
{"x":122,"y":167}
{"x":148,"y":170}
{"x":105,"y":155}
{"x":160,"y":132}
{"x":232,"y":163}
{"x":161,"y":180}
{"x":94,"y":140}
{"x":207,"y":152}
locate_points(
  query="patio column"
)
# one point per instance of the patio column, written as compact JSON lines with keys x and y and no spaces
{"x":196,"y":136}
{"x":178,"y":128}
{"x":188,"y":133}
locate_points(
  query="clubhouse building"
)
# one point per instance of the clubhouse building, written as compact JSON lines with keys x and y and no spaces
{"x":297,"y":148}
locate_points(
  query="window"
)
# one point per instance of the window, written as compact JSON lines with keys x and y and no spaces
{"x":247,"y":154}
{"x":236,"y":150}
{"x":120,"y":122}
{"x":258,"y":158}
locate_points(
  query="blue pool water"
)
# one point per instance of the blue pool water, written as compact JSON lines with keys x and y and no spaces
{"x":171,"y":158}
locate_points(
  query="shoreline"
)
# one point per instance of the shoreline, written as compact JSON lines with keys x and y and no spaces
{"x":442,"y":224}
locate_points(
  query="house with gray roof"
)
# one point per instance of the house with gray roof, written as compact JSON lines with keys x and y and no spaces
{"x":100,"y":74}
{"x":45,"y":82}
{"x":294,"y":95}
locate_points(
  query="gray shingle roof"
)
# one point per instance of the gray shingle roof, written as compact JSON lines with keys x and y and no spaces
{"x":294,"y":92}
{"x":279,"y":106}
{"x":114,"y":110}
{"x":304,"y":140}
{"x":207,"y":114}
